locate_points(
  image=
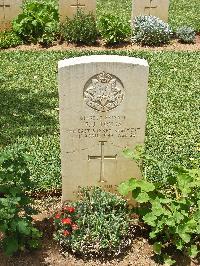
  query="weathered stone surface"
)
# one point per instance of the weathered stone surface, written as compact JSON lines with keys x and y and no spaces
{"x":9,"y":9}
{"x":158,"y":8}
{"x":102,"y":111}
{"x":68,"y":8}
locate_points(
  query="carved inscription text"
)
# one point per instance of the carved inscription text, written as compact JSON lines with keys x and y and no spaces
{"x":103,"y":127}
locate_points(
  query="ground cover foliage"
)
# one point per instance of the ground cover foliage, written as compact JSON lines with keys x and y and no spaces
{"x":17,"y":230}
{"x":29,"y":109}
{"x":171,"y":209}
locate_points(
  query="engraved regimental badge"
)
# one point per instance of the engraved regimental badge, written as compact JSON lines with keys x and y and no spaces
{"x":103,"y":92}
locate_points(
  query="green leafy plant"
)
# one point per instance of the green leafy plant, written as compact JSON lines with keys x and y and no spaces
{"x":80,"y":29}
{"x":15,"y":210}
{"x":39,"y":22}
{"x":113,"y":29}
{"x":96,"y":225}
{"x":171,"y":209}
{"x":9,"y":39}
{"x":150,"y":30}
{"x":186,"y":34}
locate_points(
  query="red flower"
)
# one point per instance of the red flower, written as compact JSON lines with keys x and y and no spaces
{"x":69,"y":209}
{"x":66,"y":221}
{"x":66,"y":233}
{"x":74,"y":227}
{"x":57,"y":216}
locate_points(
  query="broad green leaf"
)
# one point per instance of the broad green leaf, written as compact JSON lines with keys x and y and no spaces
{"x":178,"y":217}
{"x":186,"y":237}
{"x":153,"y":234}
{"x":124,"y":188}
{"x":157,"y":246}
{"x":134,"y":183}
{"x":142,"y":197}
{"x":157,"y":208}
{"x":127,"y":186}
{"x":168,"y":260}
{"x":150,"y":219}
{"x":193,"y":251}
{"x":170,"y":222}
{"x":184,"y":183}
{"x":146,"y":186}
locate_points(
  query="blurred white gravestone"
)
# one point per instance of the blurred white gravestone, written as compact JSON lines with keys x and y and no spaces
{"x":158,"y":8}
{"x":103,"y":102}
{"x":69,"y":8}
{"x":9,"y":9}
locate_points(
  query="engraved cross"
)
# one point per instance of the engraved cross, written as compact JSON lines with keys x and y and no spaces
{"x":78,"y":4}
{"x":102,"y":159}
{"x":150,"y":7}
{"x":4,"y":7}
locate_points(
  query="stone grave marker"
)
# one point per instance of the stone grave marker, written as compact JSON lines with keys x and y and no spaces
{"x":158,"y":8}
{"x":9,"y":9}
{"x":103,"y":102}
{"x":68,"y":8}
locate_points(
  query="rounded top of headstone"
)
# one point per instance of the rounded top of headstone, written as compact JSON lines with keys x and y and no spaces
{"x":102,"y":59}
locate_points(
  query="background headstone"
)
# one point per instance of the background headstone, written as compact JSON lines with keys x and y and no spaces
{"x":9,"y":9}
{"x":68,"y":8}
{"x":158,"y":8}
{"x":103,"y":102}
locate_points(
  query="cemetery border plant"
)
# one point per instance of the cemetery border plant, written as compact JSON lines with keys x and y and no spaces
{"x":186,"y":34}
{"x":15,"y":210}
{"x":171,"y":209}
{"x":81,"y":28}
{"x":150,"y":30}
{"x":113,"y":29}
{"x":39,"y":22}
{"x":9,"y":39}
{"x":95,"y":226}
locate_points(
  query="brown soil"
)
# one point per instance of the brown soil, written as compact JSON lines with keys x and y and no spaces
{"x":140,"y":253}
{"x":173,"y":46}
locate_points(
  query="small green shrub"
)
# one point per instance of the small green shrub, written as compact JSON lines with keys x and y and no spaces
{"x":97,"y":225}
{"x":81,"y":29}
{"x":39,"y":22}
{"x":171,"y":209}
{"x":15,"y":210}
{"x":113,"y":29}
{"x":186,"y":34}
{"x":150,"y":30}
{"x":9,"y":39}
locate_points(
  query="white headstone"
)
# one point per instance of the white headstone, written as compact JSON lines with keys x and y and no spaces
{"x":68,"y":8}
{"x":103,"y":102}
{"x":9,"y":9}
{"x":158,"y":8}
